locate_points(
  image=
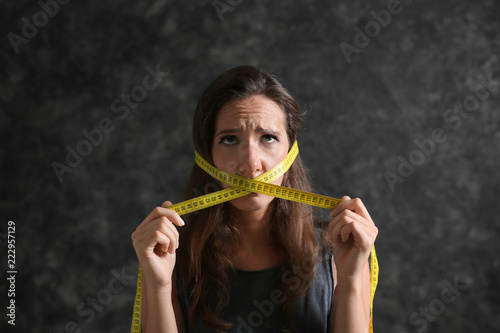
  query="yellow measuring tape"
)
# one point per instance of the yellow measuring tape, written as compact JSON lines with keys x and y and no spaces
{"x":242,"y":186}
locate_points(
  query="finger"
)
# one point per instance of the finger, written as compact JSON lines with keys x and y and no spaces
{"x":158,"y":241}
{"x":171,"y":232}
{"x":352,"y":215}
{"x":146,"y":243}
{"x":164,"y":226}
{"x":348,"y":217}
{"x":161,"y":239}
{"x":173,"y":245}
{"x":355,"y":205}
{"x":335,"y":227}
{"x":339,"y":207}
{"x":368,"y":225}
{"x":334,"y":238}
{"x":353,"y":232}
{"x":345,"y":231}
{"x":359,"y":234}
{"x":338,"y":223}
{"x":172,"y":215}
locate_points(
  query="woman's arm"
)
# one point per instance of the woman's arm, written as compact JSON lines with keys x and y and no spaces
{"x":155,"y":242}
{"x":160,"y":313}
{"x":168,"y":316}
{"x":352,"y":233}
{"x":349,"y":304}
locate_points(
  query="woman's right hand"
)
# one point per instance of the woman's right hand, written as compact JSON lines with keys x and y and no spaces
{"x":155,"y":241}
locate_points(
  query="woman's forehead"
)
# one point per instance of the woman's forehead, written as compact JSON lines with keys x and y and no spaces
{"x":254,"y":112}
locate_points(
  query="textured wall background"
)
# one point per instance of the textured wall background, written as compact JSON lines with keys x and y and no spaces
{"x":69,"y":71}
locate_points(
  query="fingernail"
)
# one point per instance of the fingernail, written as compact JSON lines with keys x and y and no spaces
{"x":182,"y":222}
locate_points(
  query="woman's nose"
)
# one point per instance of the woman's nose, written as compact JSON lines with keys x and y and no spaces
{"x":250,"y":161}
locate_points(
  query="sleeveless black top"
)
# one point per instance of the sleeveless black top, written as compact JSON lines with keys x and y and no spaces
{"x":256,"y":300}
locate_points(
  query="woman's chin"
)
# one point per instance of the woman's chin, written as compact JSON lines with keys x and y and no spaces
{"x":252,"y":202}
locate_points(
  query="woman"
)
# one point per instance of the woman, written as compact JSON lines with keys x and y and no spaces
{"x":256,"y":263}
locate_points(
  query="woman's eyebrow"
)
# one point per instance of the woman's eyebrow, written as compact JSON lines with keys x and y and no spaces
{"x":228,"y":131}
{"x":268,"y":131}
{"x":258,"y":129}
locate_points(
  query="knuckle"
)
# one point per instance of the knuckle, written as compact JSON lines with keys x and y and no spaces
{"x":157,"y":234}
{"x":164,"y":220}
{"x":345,"y":216}
{"x":349,"y":213}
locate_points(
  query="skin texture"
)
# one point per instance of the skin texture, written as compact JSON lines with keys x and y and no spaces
{"x":250,"y":138}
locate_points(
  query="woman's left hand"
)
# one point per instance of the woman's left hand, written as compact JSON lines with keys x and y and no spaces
{"x":352,"y":233}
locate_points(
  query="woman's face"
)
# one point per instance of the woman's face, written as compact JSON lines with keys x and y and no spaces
{"x":250,"y":138}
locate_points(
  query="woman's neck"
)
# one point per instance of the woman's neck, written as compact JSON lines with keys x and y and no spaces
{"x":254,"y":250}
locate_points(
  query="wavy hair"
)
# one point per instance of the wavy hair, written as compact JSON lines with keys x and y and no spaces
{"x":209,"y":234}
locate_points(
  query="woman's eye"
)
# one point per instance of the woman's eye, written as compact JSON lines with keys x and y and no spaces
{"x":228,"y":140}
{"x":270,"y":138}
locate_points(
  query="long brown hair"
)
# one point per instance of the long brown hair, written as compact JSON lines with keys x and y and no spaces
{"x":209,"y":235}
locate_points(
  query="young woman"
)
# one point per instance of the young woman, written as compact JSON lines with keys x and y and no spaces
{"x":256,"y":263}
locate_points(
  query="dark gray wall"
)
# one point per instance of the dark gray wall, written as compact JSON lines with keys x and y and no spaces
{"x":395,"y":97}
